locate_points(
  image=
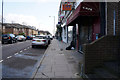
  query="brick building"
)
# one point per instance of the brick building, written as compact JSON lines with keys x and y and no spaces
{"x":19,"y":29}
{"x":101,"y":56}
{"x":40,"y":32}
{"x":35,"y":32}
{"x":96,"y":34}
{"x":29,"y":31}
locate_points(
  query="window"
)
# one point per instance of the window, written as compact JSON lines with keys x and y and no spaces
{"x":41,"y":37}
{"x":12,"y":35}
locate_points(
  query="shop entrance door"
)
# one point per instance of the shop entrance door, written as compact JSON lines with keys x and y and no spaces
{"x":96,"y":29}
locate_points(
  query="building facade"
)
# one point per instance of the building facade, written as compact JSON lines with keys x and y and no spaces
{"x":95,"y":31}
{"x":63,"y":15}
{"x":17,"y":29}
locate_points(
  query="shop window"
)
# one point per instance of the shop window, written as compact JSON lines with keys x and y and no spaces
{"x":70,"y":29}
{"x":97,"y":36}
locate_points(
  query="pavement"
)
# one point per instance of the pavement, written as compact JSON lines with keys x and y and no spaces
{"x":59,"y":63}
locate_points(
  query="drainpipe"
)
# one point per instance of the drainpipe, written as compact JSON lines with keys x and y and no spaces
{"x":106,"y":16}
{"x":102,"y":18}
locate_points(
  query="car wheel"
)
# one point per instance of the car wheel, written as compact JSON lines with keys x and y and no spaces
{"x":2,"y":42}
{"x":48,"y":42}
{"x":33,"y":46}
{"x":11,"y":42}
{"x":46,"y":46}
{"x":16,"y":41}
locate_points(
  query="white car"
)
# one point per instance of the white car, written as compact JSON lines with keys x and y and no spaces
{"x":40,"y":40}
{"x":21,"y":38}
{"x":32,"y":36}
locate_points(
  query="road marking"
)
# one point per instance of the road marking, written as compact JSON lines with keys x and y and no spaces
{"x":7,"y":45}
{"x":21,"y":51}
{"x":9,"y":57}
{"x":15,"y":53}
{"x":25,"y":49}
{"x":1,"y":61}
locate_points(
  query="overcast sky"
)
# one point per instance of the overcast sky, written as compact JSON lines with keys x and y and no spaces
{"x":32,"y":12}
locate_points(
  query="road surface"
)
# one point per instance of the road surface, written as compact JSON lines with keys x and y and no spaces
{"x":19,"y":60}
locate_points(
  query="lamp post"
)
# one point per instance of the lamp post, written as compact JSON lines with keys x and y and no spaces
{"x":2,"y":16}
{"x":54,"y":25}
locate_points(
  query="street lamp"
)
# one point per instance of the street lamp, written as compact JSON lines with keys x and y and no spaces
{"x":2,"y":16}
{"x":54,"y":25}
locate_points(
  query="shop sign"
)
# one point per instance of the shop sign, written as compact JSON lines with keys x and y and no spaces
{"x":66,"y":7}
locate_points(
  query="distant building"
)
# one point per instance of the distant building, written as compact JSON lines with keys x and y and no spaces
{"x":40,"y":32}
{"x":46,"y":32}
{"x":17,"y":29}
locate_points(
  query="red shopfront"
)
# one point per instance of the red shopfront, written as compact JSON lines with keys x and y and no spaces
{"x":87,"y":17}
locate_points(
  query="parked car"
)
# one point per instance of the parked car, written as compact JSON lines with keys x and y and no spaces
{"x":9,"y":38}
{"x":21,"y":38}
{"x":28,"y":38}
{"x":40,"y":40}
{"x":32,"y":36}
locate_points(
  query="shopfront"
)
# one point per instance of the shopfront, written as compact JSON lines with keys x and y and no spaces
{"x":64,"y":34}
{"x":86,"y":20}
{"x":70,"y":32}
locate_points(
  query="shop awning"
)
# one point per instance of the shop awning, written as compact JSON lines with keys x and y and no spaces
{"x":84,"y":9}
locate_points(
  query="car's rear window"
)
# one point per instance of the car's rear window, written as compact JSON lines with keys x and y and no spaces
{"x":40,"y":37}
{"x":5,"y":35}
{"x":20,"y":36}
{"x":12,"y":35}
